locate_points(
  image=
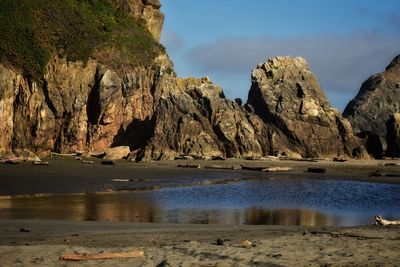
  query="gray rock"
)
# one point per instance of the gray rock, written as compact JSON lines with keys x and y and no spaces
{"x":377,"y":100}
{"x":287,"y":96}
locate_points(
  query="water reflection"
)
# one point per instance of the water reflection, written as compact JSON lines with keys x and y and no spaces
{"x":279,"y":202}
{"x":131,"y":208}
{"x":85,"y":207}
{"x":259,"y":216}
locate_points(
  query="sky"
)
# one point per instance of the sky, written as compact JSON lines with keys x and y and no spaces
{"x":343,"y":41}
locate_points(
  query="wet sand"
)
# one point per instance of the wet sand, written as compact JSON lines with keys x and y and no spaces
{"x":43,"y":242}
{"x":65,"y":175}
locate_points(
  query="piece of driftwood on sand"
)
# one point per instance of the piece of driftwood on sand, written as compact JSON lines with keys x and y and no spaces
{"x":87,"y":162}
{"x":192,"y":166}
{"x":316,"y":170}
{"x":63,"y":154}
{"x":380,"y":221}
{"x":277,"y":169}
{"x":108,"y":162}
{"x":40,"y":163}
{"x":101,"y":256}
{"x":222,"y":167}
{"x":254,"y":168}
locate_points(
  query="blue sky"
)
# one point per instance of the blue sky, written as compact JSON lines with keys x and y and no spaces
{"x":344,"y":41}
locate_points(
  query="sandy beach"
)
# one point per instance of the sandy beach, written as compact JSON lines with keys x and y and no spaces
{"x":196,"y":245}
{"x":42,"y":242}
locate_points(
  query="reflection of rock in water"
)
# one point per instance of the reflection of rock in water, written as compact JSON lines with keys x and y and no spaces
{"x":98,"y":207}
{"x":257,"y":216}
{"x":196,"y":216}
{"x":108,"y":207}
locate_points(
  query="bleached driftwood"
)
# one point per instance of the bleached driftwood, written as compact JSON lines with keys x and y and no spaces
{"x":63,"y":154}
{"x":277,"y":169}
{"x":380,"y":221}
{"x":101,"y":256}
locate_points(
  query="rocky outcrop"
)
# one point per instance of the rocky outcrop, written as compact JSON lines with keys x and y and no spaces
{"x":77,"y":107}
{"x":114,"y":106}
{"x":90,"y":107}
{"x":193,"y":118}
{"x":154,"y":115}
{"x":146,"y":10}
{"x":287,"y":96}
{"x":377,"y":100}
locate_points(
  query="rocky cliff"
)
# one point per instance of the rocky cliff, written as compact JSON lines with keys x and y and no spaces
{"x":78,"y":107}
{"x":126,"y":94}
{"x":287,"y":96}
{"x":375,"y":103}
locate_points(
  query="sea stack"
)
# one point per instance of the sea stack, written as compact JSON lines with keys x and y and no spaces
{"x":376,"y":102}
{"x":287,"y":96}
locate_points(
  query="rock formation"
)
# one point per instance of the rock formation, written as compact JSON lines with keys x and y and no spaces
{"x":377,"y":100}
{"x":287,"y":96}
{"x":118,"y":108}
{"x":78,"y":107}
{"x":194,"y":118}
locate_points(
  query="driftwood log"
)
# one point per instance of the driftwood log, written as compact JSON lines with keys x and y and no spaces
{"x":380,"y":221}
{"x":254,"y":168}
{"x":316,"y":170}
{"x":101,"y":256}
{"x":277,"y":169}
{"x":192,"y":166}
{"x":40,"y":163}
{"x":223,"y":167}
{"x":108,"y":162}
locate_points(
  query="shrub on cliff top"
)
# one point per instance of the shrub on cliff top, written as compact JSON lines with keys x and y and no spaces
{"x":32,"y":30}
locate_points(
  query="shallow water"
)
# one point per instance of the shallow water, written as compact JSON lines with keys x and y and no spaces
{"x":279,"y":202}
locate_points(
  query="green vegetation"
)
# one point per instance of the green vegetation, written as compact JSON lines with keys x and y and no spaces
{"x":32,"y":30}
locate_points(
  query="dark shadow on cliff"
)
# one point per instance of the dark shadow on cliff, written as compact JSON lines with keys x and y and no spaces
{"x":136,"y":135}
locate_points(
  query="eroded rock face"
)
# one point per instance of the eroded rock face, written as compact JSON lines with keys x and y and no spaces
{"x":377,"y":100}
{"x":78,"y":106}
{"x":287,"y":96}
{"x":148,"y":11}
{"x":151,"y":114}
{"x":193,"y":118}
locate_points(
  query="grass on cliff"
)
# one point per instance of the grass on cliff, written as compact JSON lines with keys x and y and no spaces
{"x":32,"y":30}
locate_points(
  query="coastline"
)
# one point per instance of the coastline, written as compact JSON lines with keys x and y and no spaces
{"x":28,"y":242}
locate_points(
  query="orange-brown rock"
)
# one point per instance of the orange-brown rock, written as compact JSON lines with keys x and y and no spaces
{"x":377,"y":102}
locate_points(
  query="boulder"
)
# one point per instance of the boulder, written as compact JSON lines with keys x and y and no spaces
{"x":119,"y":152}
{"x":26,"y":155}
{"x":375,"y":103}
{"x":287,"y":96}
